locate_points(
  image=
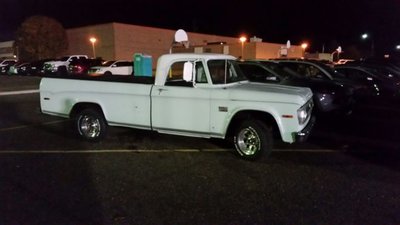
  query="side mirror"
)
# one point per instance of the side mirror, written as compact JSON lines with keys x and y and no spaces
{"x":188,"y":71}
{"x":271,"y":78}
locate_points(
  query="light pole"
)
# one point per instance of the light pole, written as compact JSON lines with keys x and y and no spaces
{"x":338,"y":51}
{"x":93,"y":40}
{"x":367,"y":36}
{"x":304,"y":46}
{"x":242,"y":40}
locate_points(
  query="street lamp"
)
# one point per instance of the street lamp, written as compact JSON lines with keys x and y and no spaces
{"x":366,"y":36}
{"x":242,"y":40}
{"x":304,"y":46}
{"x":93,"y":40}
{"x":398,"y":47}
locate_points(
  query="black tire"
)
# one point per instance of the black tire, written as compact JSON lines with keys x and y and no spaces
{"x":253,"y":139}
{"x":107,"y":73}
{"x":91,"y":124}
{"x":62,"y":71}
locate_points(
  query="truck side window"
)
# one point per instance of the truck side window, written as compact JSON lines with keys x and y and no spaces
{"x":201,"y":76}
{"x":175,"y":76}
{"x":217,"y":71}
{"x":224,"y":71}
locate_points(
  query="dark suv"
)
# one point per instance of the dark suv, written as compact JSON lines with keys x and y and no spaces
{"x":385,"y":80}
{"x":315,"y":70}
{"x":328,"y":96}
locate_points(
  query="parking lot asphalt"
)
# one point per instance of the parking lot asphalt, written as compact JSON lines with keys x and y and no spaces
{"x":18,"y":83}
{"x":49,"y":176}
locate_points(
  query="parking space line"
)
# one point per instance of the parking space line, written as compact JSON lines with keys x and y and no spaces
{"x":151,"y":151}
{"x":19,"y":92}
{"x":306,"y":150}
{"x":30,"y":125}
{"x":110,"y":151}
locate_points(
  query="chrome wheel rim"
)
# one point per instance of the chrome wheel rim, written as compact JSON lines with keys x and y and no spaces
{"x":248,"y":141}
{"x":89,"y":126}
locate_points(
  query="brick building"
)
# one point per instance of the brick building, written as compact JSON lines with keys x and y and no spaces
{"x":122,"y":41}
{"x":7,"y":49}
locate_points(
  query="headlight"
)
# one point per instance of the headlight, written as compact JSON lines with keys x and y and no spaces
{"x":304,"y":112}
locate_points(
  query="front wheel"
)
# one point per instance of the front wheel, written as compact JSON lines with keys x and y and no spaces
{"x":252,"y":139}
{"x":91,"y":125}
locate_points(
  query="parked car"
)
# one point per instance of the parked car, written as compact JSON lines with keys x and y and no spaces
{"x":5,"y":65}
{"x":119,"y":67}
{"x":7,"y":61}
{"x":315,"y":70}
{"x":386,"y":62}
{"x":14,"y":69}
{"x":386,"y":69}
{"x":82,"y":66}
{"x":34,"y":68}
{"x":387,"y":86}
{"x":60,"y":66}
{"x":328,"y":96}
{"x":245,"y":113}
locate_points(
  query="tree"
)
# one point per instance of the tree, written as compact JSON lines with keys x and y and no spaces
{"x":40,"y":37}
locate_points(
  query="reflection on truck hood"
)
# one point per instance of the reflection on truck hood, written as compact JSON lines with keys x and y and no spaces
{"x":270,"y":92}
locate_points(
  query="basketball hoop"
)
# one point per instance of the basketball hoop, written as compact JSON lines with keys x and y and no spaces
{"x":185,"y":43}
{"x":180,"y":37}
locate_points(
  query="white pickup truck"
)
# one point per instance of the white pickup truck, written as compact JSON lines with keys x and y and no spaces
{"x":60,"y":65}
{"x":200,"y":95}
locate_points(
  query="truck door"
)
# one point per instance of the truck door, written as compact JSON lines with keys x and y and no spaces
{"x":179,"y":107}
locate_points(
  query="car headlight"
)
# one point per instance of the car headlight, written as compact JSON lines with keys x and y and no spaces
{"x":304,"y":112}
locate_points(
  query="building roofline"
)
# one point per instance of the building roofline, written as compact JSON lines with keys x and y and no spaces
{"x":147,"y":27}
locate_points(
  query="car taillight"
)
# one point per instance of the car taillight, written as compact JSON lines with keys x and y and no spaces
{"x":79,"y":69}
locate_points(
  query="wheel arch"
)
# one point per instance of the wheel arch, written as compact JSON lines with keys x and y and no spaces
{"x":267,"y":118}
{"x":84,"y":105}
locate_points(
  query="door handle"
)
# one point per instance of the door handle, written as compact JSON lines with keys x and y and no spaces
{"x":161,"y":90}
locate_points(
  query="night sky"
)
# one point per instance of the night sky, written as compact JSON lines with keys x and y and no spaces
{"x":322,"y":23}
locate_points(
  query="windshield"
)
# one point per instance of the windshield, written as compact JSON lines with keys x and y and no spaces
{"x":225,"y":71}
{"x":283,"y":71}
{"x":384,"y":71}
{"x":332,"y":72}
{"x":65,"y":58}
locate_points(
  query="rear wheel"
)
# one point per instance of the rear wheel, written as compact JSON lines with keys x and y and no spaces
{"x":91,"y":124}
{"x":253,"y":139}
{"x":62,"y":71}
